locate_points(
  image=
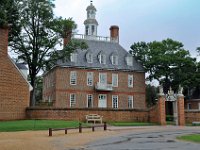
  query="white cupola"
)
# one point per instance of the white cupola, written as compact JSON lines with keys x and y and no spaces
{"x":91,"y":22}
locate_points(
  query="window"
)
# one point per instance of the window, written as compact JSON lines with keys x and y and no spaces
{"x":87,"y":30}
{"x":130,"y":101}
{"x":129,"y":60}
{"x":72,"y":100}
{"x":89,"y":101}
{"x":89,"y":57}
{"x":114,"y":101}
{"x":115,"y":80}
{"x":90,"y":78}
{"x":73,"y":57}
{"x":130,"y":80}
{"x":73,"y":77}
{"x":102,"y":58}
{"x":114,"y":59}
{"x":189,"y":106}
{"x":103,"y":78}
{"x":93,"y":30}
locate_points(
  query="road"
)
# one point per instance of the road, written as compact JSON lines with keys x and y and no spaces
{"x":153,"y":138}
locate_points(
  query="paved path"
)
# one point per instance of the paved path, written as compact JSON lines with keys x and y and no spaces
{"x":149,"y":138}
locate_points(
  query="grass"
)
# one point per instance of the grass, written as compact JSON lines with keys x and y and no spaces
{"x":131,"y":123}
{"x":25,"y":125}
{"x":191,"y":138}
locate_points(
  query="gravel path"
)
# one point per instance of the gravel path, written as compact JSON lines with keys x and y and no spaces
{"x":39,"y":140}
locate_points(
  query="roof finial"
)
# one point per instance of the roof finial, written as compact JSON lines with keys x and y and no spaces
{"x":91,"y":2}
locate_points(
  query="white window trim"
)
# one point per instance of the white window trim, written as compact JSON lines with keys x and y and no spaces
{"x":115,"y":96}
{"x":90,"y":76}
{"x":89,"y":57}
{"x":188,"y":106}
{"x":105,"y":78}
{"x":114,"y":75}
{"x":102,"y":58}
{"x":73,"y":57}
{"x":73,"y":78}
{"x":114,"y":62}
{"x":129,"y":61}
{"x":71,"y":103}
{"x":130,"y":98}
{"x":91,"y":100}
{"x":199,"y":105}
{"x":130,"y":77}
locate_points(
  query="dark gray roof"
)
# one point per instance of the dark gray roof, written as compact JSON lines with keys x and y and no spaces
{"x":108,"y":48}
{"x":21,"y":66}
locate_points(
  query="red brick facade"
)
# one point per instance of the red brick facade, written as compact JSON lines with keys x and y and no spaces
{"x":57,"y":87}
{"x":192,"y":104}
{"x":79,"y":114}
{"x":14,"y":90}
{"x":192,"y":115}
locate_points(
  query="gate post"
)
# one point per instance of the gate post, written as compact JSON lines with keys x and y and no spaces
{"x":181,"y":111}
{"x":161,"y":110}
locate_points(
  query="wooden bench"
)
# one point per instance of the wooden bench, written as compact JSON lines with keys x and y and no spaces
{"x":94,"y":118}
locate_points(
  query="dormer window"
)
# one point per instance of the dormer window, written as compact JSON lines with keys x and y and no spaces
{"x":73,"y":57}
{"x":102,"y":58}
{"x":129,"y":60}
{"x":89,"y":57}
{"x":114,"y":59}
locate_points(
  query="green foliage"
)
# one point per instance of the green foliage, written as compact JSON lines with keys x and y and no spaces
{"x":166,"y":61}
{"x":25,"y":125}
{"x":151,"y":95}
{"x":191,"y":138}
{"x":40,"y":33}
{"x":9,"y":16}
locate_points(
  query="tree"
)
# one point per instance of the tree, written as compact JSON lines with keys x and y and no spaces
{"x":36,"y":44}
{"x":166,"y":61}
{"x":9,"y":16}
{"x":151,"y":95}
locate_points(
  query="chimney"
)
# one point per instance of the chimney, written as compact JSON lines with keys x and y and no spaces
{"x":4,"y":40}
{"x":114,"y":33}
{"x":67,"y":37}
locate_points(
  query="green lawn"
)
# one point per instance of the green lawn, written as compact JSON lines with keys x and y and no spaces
{"x":192,"y":138}
{"x":131,"y":123}
{"x":24,"y":125}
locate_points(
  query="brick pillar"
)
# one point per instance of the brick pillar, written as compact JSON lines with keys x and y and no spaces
{"x":161,"y":110}
{"x":181,"y":112}
{"x":67,"y":38}
{"x":4,"y":40}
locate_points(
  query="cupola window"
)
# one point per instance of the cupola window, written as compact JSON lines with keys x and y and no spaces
{"x":89,"y":57}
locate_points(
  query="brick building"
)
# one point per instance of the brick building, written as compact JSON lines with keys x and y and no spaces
{"x":14,"y":88}
{"x":103,"y":76}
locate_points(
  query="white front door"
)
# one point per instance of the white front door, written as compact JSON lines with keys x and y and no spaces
{"x":102,"y":101}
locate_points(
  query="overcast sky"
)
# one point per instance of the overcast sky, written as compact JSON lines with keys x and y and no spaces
{"x":140,"y":20}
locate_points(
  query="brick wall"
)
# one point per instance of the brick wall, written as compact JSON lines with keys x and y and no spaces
{"x":62,"y":88}
{"x":79,"y":114}
{"x":192,"y":115}
{"x":194,"y":104}
{"x":158,"y":113}
{"x":14,"y":90}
